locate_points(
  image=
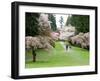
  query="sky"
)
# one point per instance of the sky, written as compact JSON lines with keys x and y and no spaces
{"x":58,"y":18}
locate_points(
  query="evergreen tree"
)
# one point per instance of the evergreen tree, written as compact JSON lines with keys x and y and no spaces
{"x":53,"y":22}
{"x":81,"y":22}
{"x":68,"y":21}
{"x":61,"y":21}
{"x":31,"y":23}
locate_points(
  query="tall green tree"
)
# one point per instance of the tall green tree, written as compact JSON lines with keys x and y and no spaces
{"x":31,"y":24}
{"x":81,"y":22}
{"x":68,"y":20}
{"x":53,"y":22}
{"x":61,"y":21}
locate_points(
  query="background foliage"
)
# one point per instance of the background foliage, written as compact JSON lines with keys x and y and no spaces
{"x":53,"y":22}
{"x":81,"y":22}
{"x":32,"y":24}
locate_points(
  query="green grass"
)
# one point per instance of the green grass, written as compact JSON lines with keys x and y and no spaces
{"x":57,"y":57}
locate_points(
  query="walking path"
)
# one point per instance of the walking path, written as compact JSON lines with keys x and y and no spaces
{"x":62,"y":43}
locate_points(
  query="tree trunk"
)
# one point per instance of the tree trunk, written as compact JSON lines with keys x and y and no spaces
{"x":34,"y":56}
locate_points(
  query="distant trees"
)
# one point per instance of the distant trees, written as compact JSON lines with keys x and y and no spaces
{"x":61,"y":21}
{"x":52,"y":22}
{"x":68,"y":21}
{"x":81,"y":22}
{"x":31,"y":23}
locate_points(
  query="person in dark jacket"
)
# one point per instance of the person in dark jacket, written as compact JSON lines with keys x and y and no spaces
{"x":67,"y":45}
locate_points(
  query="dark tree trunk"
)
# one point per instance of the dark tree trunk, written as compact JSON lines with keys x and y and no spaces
{"x":34,"y":56}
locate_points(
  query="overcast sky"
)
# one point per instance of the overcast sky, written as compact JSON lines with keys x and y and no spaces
{"x":58,"y":18}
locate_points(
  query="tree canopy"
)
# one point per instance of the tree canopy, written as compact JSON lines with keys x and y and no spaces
{"x":31,"y":24}
{"x":81,"y":22}
{"x":68,"y":21}
{"x":53,"y":22}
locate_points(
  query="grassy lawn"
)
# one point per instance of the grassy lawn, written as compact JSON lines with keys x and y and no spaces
{"x":57,"y":57}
